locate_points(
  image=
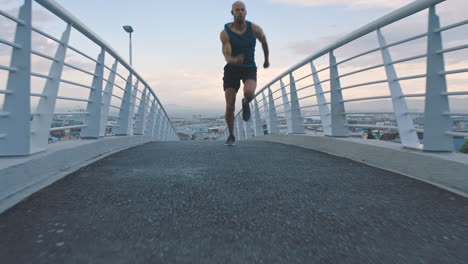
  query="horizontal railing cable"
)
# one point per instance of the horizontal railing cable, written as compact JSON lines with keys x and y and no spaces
{"x":77,"y":84}
{"x":371,"y":126}
{"x":361,"y":70}
{"x":41,"y":75}
{"x":71,"y":113}
{"x":73,"y":99}
{"x":453,"y":49}
{"x":11,"y":69}
{"x":357,"y":56}
{"x":83,"y":54}
{"x":456,"y":93}
{"x":363,"y":84}
{"x":409,"y":59}
{"x":6,"y":92}
{"x":461,"y":23}
{"x":367,"y":98}
{"x":9,"y":43}
{"x":46,"y":35}
{"x":413,"y":95}
{"x":456,"y":134}
{"x":455,"y":114}
{"x":305,"y":87}
{"x":12,"y":18}
{"x":454,"y":71}
{"x":406,"y":40}
{"x":67,"y":127}
{"x":40,"y":54}
{"x":79,"y":69}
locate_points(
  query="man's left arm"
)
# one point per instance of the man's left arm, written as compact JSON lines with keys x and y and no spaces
{"x":258,"y":32}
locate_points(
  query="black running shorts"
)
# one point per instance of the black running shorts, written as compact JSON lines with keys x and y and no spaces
{"x":233,"y":74}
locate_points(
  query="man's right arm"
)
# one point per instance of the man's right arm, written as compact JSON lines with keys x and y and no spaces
{"x":227,"y":50}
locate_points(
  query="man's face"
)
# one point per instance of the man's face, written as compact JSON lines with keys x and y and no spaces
{"x":239,"y":12}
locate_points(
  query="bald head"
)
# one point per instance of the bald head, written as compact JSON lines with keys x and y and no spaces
{"x":238,"y":11}
{"x":237,"y":3}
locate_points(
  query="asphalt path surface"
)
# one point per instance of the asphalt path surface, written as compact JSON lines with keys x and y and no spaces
{"x":256,"y":202}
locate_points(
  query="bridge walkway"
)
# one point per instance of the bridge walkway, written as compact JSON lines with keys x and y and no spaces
{"x":256,"y":202}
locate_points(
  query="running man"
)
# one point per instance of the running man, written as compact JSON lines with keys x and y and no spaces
{"x":239,"y":39}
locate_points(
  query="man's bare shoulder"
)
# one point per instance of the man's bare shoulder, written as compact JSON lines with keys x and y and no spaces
{"x":224,"y":36}
{"x":258,"y":31}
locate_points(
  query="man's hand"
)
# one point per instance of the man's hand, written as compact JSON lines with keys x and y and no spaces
{"x":239,"y":59}
{"x":266,"y":64}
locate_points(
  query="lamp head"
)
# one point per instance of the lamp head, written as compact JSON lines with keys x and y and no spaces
{"x":128,"y":29}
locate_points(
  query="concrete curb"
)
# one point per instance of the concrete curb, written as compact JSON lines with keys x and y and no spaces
{"x":22,"y":176}
{"x":445,"y":170}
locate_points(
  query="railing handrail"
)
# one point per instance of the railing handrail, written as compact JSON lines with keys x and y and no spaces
{"x":392,"y":17}
{"x":62,"y":13}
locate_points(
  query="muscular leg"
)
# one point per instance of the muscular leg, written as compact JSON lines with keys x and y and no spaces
{"x":230,"y":94}
{"x":249,"y":89}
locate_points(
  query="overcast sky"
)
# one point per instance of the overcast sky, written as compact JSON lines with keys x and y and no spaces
{"x":176,"y":46}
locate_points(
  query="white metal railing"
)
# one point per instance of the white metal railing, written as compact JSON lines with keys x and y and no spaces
{"x":437,"y":132}
{"x":23,"y":132}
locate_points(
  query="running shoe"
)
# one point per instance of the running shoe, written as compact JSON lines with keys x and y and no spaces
{"x":245,"y":110}
{"x":231,"y":141}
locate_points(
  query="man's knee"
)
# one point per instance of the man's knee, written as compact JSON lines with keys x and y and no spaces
{"x":230,"y":108}
{"x":249,"y":89}
{"x":249,"y":95}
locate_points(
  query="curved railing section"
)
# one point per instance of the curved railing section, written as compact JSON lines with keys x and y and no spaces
{"x":112,"y":104}
{"x":307,"y":99}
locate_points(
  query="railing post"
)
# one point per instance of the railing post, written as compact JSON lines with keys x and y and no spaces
{"x":237,"y":128}
{"x":124,"y":113}
{"x":131,"y":124}
{"x":325,"y":115}
{"x":157,"y":128}
{"x":164,"y":130}
{"x":150,"y":124}
{"x":257,"y":122}
{"x":248,"y":129}
{"x":161,"y":129}
{"x":408,"y":135}
{"x":338,"y":119}
{"x":297,"y":125}
{"x":241,"y":129}
{"x":160,"y":136}
{"x":94,"y":108}
{"x":167,"y":131}
{"x":435,"y":123}
{"x":267,"y":112}
{"x":15,"y":127}
{"x":141,"y":118}
{"x":273,"y":124}
{"x":44,"y":115}
{"x":107,"y":96}
{"x":287,"y":107}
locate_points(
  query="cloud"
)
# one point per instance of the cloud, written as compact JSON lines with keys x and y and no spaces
{"x":361,"y":4}
{"x":8,"y":28}
{"x":411,"y":26}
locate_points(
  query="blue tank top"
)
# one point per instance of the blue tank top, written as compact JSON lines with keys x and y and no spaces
{"x":243,"y":44}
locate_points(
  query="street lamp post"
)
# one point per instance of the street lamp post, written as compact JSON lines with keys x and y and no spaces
{"x":129,"y":30}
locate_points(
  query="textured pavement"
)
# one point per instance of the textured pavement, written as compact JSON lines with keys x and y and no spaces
{"x":256,"y":202}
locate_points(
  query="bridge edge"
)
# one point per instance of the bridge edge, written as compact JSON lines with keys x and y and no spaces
{"x":444,"y":170}
{"x":21,"y":177}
